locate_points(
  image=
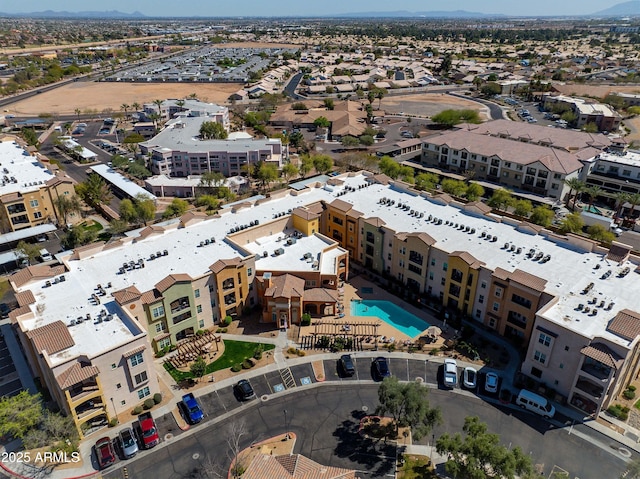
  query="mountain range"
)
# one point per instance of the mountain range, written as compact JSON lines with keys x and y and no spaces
{"x":631,"y":8}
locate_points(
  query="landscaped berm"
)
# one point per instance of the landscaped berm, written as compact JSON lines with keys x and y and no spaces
{"x":214,"y":354}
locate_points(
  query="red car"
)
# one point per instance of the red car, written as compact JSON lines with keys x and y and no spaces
{"x":105,"y":452}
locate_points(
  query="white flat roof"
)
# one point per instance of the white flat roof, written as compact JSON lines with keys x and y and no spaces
{"x":630,"y":158}
{"x":568,"y":272}
{"x":119,"y":181}
{"x":19,"y":171}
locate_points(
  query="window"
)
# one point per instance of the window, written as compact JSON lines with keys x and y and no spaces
{"x":496,"y":307}
{"x":164,"y":343}
{"x":123,"y":402}
{"x":199,"y":308}
{"x":443,"y":281}
{"x":33,"y":203}
{"x":201,"y":323}
{"x":535,"y":372}
{"x":196,"y":293}
{"x":113,"y":366}
{"x":144,"y":392}
{"x":524,"y":302}
{"x":540,"y":357}
{"x":433,"y":261}
{"x":140,"y":378}
{"x":566,"y":348}
{"x":118,"y":386}
{"x":498,"y":292}
{"x":478,"y":312}
{"x":445,"y":266}
{"x":431,"y":275}
{"x":37,"y":215}
{"x":249,"y":273}
{"x":159,"y":327}
{"x":481,"y":299}
{"x":544,"y":339}
{"x":492,"y":322}
{"x":136,"y":359}
{"x":158,"y":312}
{"x":483,"y":285}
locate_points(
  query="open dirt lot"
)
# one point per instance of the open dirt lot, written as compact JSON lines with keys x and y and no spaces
{"x":101,"y":96}
{"x":428,"y":104}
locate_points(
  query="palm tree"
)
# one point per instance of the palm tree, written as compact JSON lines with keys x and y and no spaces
{"x":158,"y":103}
{"x":477,"y":82}
{"x":380,"y":93}
{"x":78,"y":111}
{"x":135,"y":106}
{"x":180,"y":103}
{"x":66,"y":205}
{"x":621,"y":198}
{"x":592,"y":192}
{"x":634,"y":199}
{"x":125,"y":107}
{"x":576,"y":185}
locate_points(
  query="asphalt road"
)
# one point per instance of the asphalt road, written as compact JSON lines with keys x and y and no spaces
{"x":325,"y":421}
{"x":494,"y":110}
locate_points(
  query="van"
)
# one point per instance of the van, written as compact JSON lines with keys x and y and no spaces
{"x":535,"y":403}
{"x":45,"y":255}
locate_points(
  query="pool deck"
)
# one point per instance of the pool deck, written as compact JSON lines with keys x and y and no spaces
{"x":353,"y":292}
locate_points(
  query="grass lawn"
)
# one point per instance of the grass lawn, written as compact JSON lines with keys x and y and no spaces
{"x":91,"y":226}
{"x":416,"y":467}
{"x":234,"y":352}
{"x":4,"y":287}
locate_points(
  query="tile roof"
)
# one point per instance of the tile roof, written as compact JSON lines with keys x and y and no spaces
{"x":341,"y":205}
{"x":285,"y":286}
{"x":428,"y":240}
{"x":321,"y":295}
{"x":601,"y":352}
{"x":151,"y":296}
{"x":35,"y":272}
{"x":25,"y":298}
{"x":224,"y":263}
{"x":467,"y":258}
{"x":626,"y":324}
{"x":529,"y":280}
{"x":76,"y":374}
{"x":619,"y":252}
{"x":16,"y":313}
{"x":133,"y":351}
{"x":172,"y":279}
{"x":127,"y":295}
{"x":294,"y":466}
{"x":305,"y":213}
{"x":52,"y":338}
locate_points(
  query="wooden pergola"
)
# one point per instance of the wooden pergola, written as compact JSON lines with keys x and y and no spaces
{"x":342,"y":328}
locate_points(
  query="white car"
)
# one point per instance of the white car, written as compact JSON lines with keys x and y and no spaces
{"x":491,"y":383}
{"x":450,"y":373}
{"x":469,"y":377}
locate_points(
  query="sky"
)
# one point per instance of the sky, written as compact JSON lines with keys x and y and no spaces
{"x":221,"y":8}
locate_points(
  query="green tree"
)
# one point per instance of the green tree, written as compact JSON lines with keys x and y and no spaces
{"x":117,"y":227}
{"x":426,"y":181}
{"x":322,"y":163}
{"x":289,"y":170}
{"x":542,"y":215}
{"x":177,"y":207}
{"x":592,"y":192}
{"x":408,"y":405}
{"x":28,"y":251}
{"x":141,"y":209}
{"x":450,"y":118}
{"x":329,"y":104}
{"x":211,"y":203}
{"x":389,"y":167}
{"x":590,"y":127}
{"x":138,"y":170}
{"x":621,"y":198}
{"x":77,"y":236}
{"x":501,"y":199}
{"x":479,"y":454}
{"x":522,"y":207}
{"x":66,"y":205}
{"x":474,"y":192}
{"x":575,"y":185}
{"x":491,"y":88}
{"x":348,"y":141}
{"x":266,"y":173}
{"x":30,"y":136}
{"x":296,"y":139}
{"x":210,"y":181}
{"x":94,"y":191}
{"x":600,"y":233}
{"x":306,"y":165}
{"x":572,"y":223}
{"x":19,"y":414}
{"x":212,"y":130}
{"x":198,"y":367}
{"x":454,"y":187}
{"x":366,"y":140}
{"x":321,"y":122}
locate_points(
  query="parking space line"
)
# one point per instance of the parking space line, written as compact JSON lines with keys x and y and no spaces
{"x":267,"y":381}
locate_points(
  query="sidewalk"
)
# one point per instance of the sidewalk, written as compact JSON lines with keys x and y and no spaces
{"x":87,"y":469}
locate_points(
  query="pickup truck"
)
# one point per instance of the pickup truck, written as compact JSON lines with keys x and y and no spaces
{"x":192,"y":409}
{"x":148,"y":430}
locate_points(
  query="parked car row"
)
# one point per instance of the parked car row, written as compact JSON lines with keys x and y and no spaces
{"x":126,"y":442}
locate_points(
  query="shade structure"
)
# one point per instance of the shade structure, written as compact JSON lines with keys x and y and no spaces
{"x":433,"y":331}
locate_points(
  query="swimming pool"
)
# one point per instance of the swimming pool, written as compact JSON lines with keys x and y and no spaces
{"x":593,"y":209}
{"x":391,"y":314}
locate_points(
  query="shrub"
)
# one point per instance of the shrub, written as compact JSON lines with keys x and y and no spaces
{"x":137,"y":410}
{"x":113,"y":422}
{"x":257,"y":354}
{"x":301,"y":353}
{"x":629,"y":394}
{"x":236,"y":367}
{"x":306,"y":319}
{"x":292,"y":351}
{"x":200,"y":332}
{"x":226,"y":321}
{"x":434,"y":351}
{"x":223,"y":330}
{"x":148,"y":403}
{"x":619,"y":411}
{"x":160,"y":353}
{"x":247,"y":363}
{"x":157,"y":398}
{"x":219,"y":330}
{"x":631,"y":387}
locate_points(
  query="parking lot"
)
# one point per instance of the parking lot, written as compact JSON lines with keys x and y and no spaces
{"x":10,"y":384}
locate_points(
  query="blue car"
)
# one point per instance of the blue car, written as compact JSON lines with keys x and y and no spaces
{"x":192,"y":408}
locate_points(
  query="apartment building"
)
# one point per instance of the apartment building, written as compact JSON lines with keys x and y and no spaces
{"x":518,"y":156}
{"x":28,"y":190}
{"x":178,"y":151}
{"x":603,"y":116}
{"x":172,"y":108}
{"x":615,"y":172}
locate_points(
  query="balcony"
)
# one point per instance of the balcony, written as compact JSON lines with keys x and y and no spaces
{"x":89,"y":409}
{"x":600,"y":372}
{"x":180,"y":307}
{"x":230,"y":299}
{"x":83,"y":391}
{"x":228,"y":284}
{"x":589,"y":388}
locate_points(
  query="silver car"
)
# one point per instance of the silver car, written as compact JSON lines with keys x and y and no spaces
{"x":128,"y":443}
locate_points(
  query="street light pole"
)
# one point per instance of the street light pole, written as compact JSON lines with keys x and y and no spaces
{"x":286,"y":431}
{"x":433,"y":443}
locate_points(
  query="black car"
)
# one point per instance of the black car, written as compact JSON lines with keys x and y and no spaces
{"x":380,"y":369}
{"x":4,"y":310}
{"x":243,"y":390}
{"x":346,"y":365}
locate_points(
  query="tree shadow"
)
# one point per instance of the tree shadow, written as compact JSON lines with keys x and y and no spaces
{"x":375,"y":455}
